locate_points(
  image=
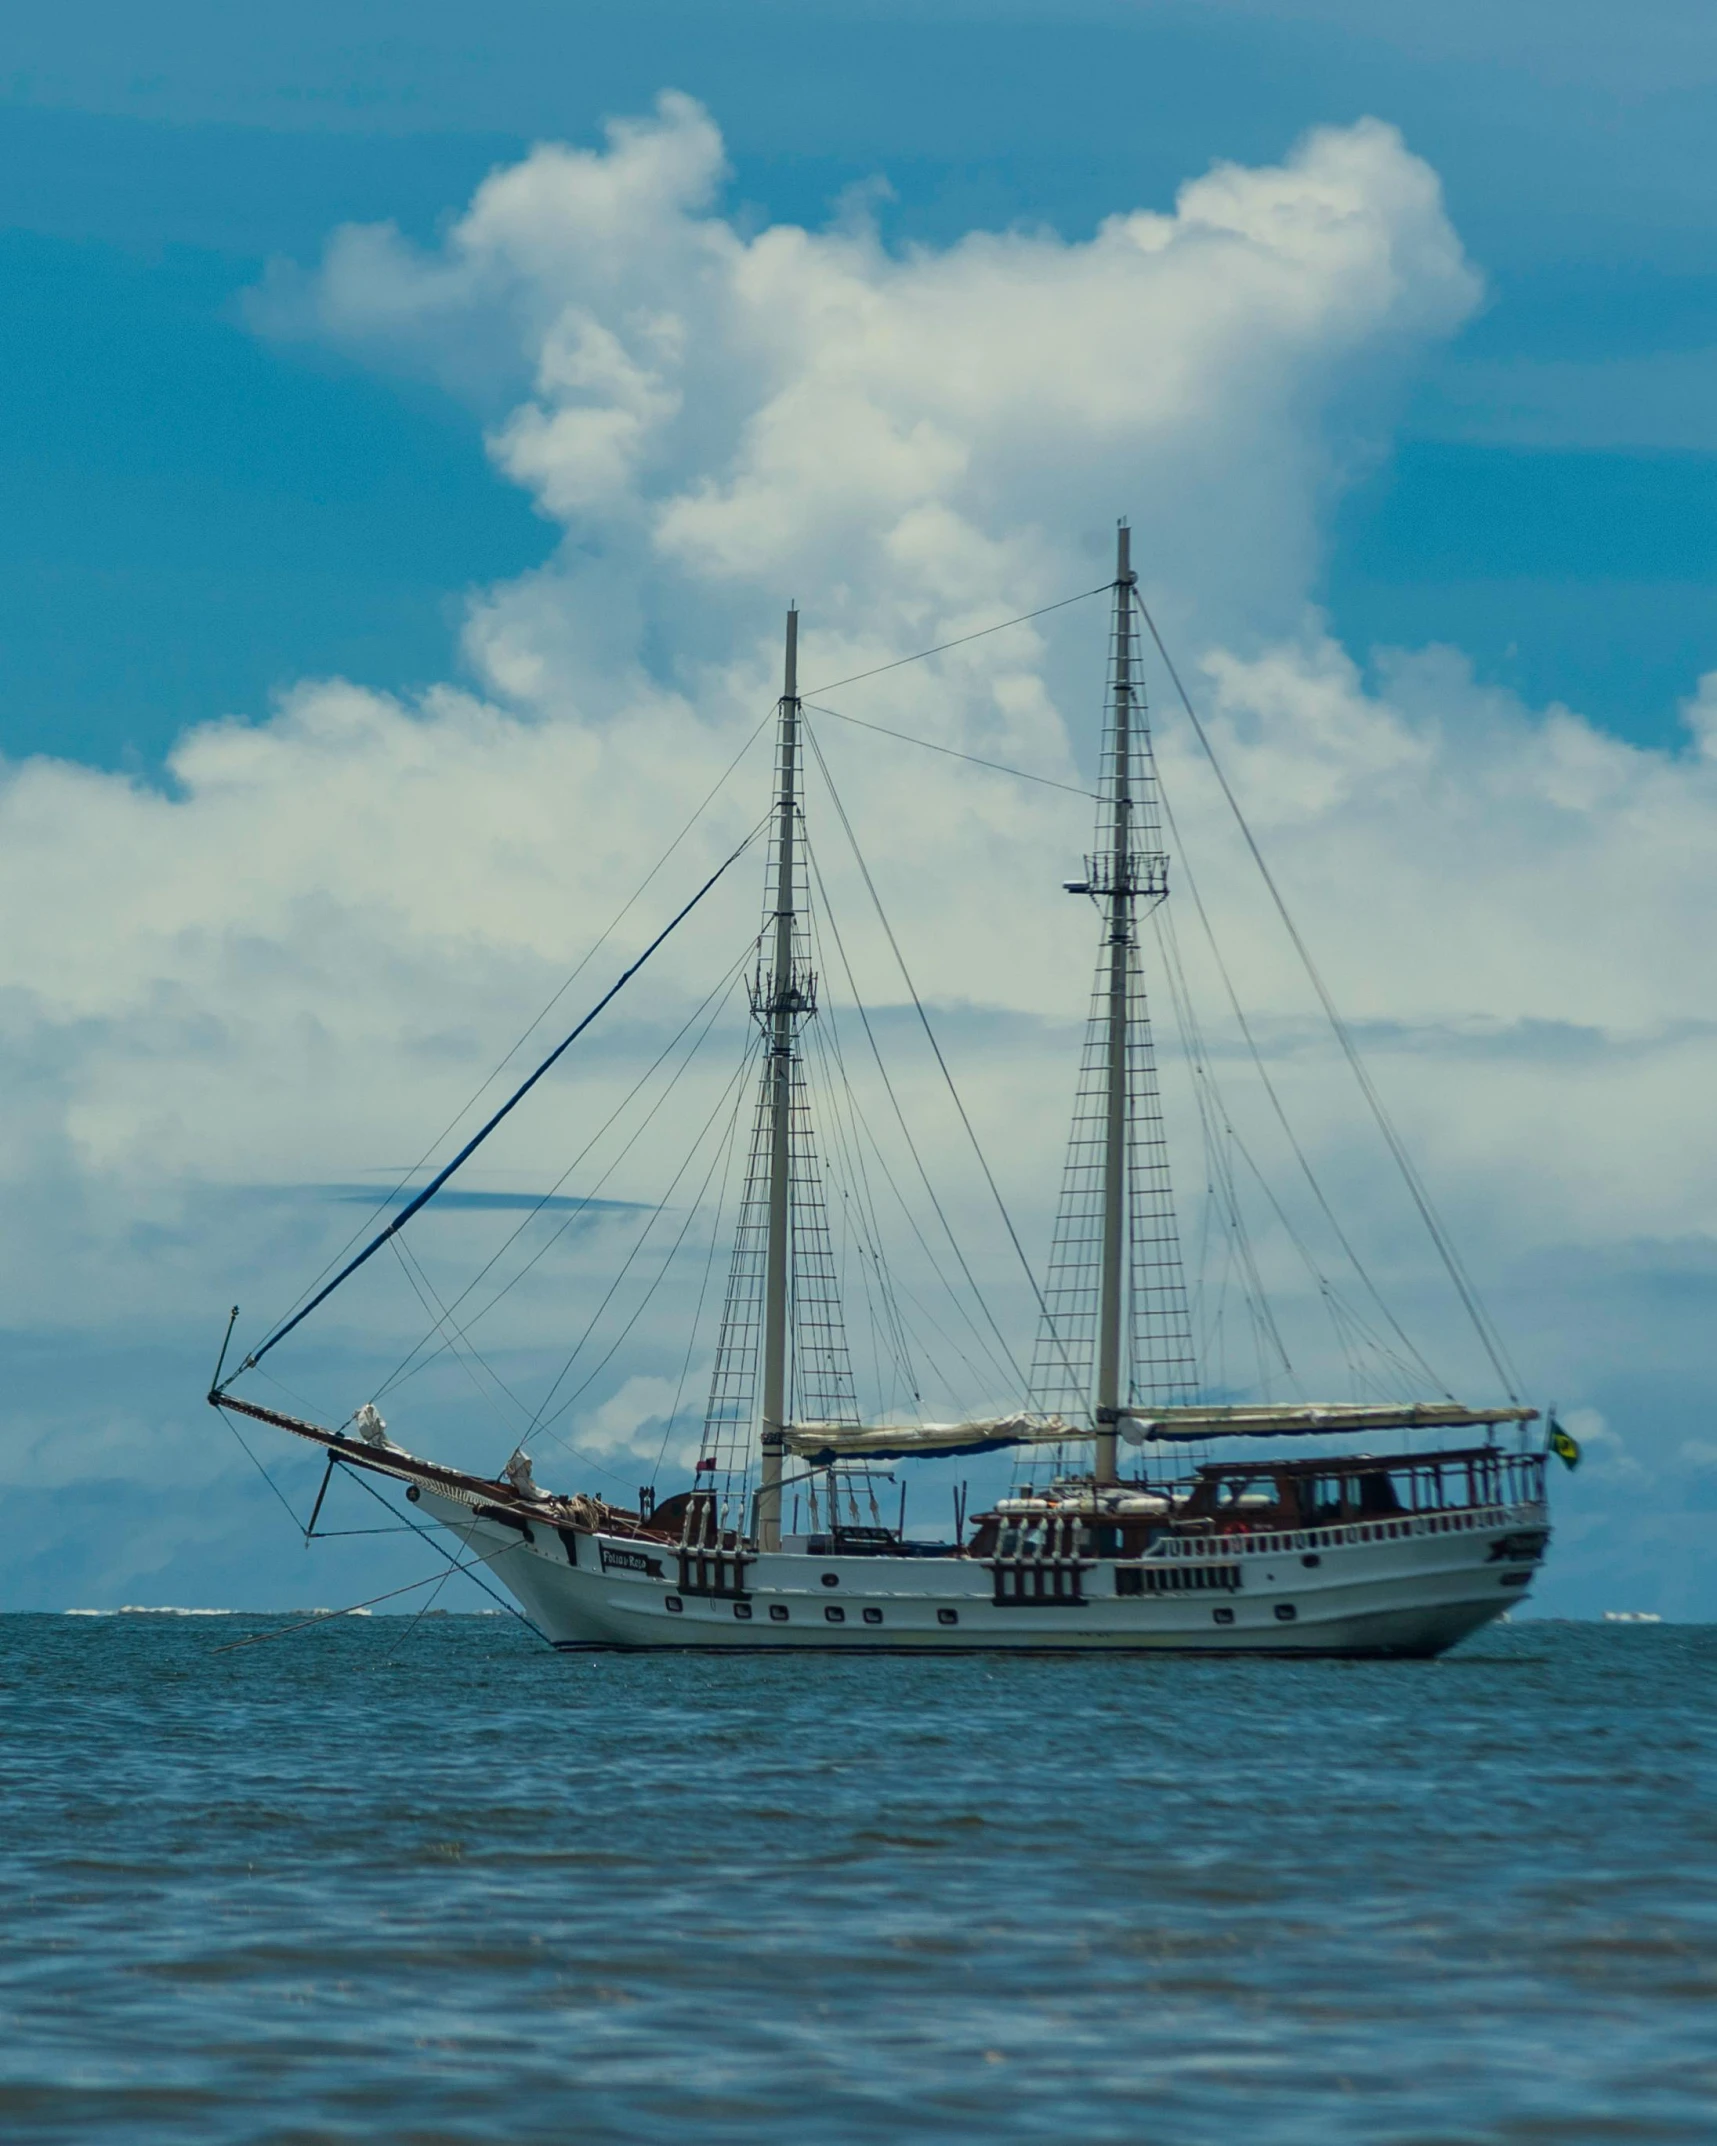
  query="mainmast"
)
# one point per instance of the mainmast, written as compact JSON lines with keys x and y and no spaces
{"x":781,"y":1012}
{"x":1116,"y":1329}
{"x":1119,"y":891}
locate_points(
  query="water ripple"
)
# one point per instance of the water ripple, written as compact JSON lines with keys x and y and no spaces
{"x":455,"y":1889}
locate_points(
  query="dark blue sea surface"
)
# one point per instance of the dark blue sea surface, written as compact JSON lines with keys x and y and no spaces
{"x":370,"y":1882}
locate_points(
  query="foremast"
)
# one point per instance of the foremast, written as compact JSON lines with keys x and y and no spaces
{"x":782,"y":1350}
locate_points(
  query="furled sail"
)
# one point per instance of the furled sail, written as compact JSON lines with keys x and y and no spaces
{"x":903,"y":1441}
{"x":1143,"y":1426}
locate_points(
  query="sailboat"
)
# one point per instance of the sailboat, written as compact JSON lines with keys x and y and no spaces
{"x":1122,"y":1533}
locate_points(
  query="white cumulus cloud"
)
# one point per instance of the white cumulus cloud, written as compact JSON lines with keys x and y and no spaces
{"x":292,"y":965}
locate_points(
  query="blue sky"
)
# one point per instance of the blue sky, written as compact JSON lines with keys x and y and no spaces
{"x":485,"y":563}
{"x":197,"y":516}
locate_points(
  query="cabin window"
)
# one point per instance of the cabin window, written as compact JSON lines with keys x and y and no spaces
{"x":873,"y":1616}
{"x":742,"y":1609}
{"x":1222,"y":1616}
{"x":831,"y":1579}
{"x":947,"y":1616}
{"x":1285,"y":1613}
{"x":834,"y":1613}
{"x":778,"y":1611}
{"x":673,"y":1602}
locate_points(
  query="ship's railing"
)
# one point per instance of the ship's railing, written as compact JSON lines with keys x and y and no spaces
{"x":1438,"y":1483}
{"x":1240,"y":1541}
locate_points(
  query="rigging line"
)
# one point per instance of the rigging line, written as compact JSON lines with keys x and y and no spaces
{"x":302,"y":1402}
{"x":467,"y":1358}
{"x":1169,"y":943}
{"x":860,"y":1234}
{"x":643,"y":1304}
{"x":262,"y":1471}
{"x":453,"y":1335}
{"x":1489,"y":1336}
{"x":256,"y":1639}
{"x":409,"y":1366}
{"x":994,"y":1378}
{"x":729,"y":1144}
{"x":849,"y":1127}
{"x":832,"y":1059}
{"x":733,"y":1083}
{"x":941,"y":648}
{"x":584,"y":962}
{"x":862,"y":1240}
{"x":1217,"y":1123}
{"x":981,"y":1385}
{"x":1345,"y":1318}
{"x":518,"y":1095}
{"x":464,"y":1536}
{"x":345,"y":1534}
{"x":661,"y":1274}
{"x":1005,"y":1363}
{"x":541,"y":1420}
{"x":948,"y":752}
{"x":930,"y":1037}
{"x":482,"y":1585}
{"x":425,"y":1608}
{"x":1276,"y":1103}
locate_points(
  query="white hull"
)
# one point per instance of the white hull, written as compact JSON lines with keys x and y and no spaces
{"x":1410,"y":1587}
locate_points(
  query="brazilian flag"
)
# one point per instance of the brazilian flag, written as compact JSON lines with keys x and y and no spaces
{"x":1566,"y":1449}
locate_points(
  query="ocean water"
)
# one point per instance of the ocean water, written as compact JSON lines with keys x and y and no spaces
{"x":367,"y":1882}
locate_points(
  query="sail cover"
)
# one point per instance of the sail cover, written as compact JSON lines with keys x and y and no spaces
{"x":1142,"y":1426}
{"x":902,"y":1441}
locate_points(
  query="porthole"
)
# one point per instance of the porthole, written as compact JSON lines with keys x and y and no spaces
{"x":1285,"y":1613}
{"x":1223,"y":1616}
{"x":778,"y":1611}
{"x":873,"y":1616}
{"x":947,"y":1616}
{"x":674,"y":1602}
{"x":1311,"y":1558}
{"x":413,"y":1493}
{"x":835,"y":1614}
{"x":742,"y":1609}
{"x":831,"y":1579}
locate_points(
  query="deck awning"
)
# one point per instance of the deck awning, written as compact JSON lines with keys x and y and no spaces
{"x":823,"y":1442}
{"x":1294,"y":1419}
{"x":819,"y":1442}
